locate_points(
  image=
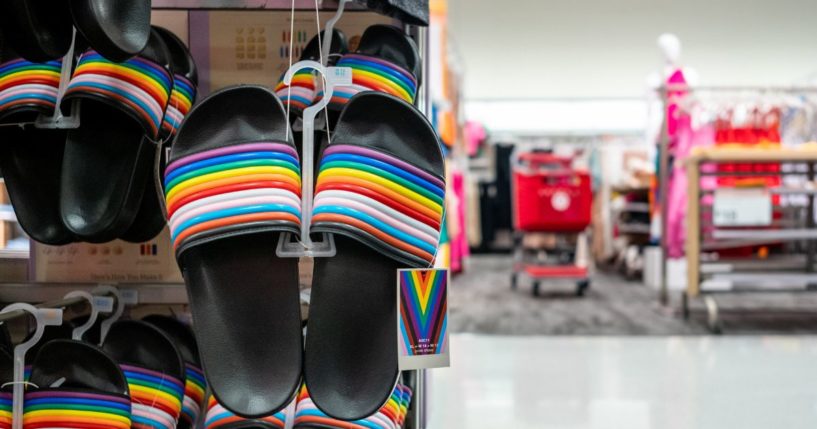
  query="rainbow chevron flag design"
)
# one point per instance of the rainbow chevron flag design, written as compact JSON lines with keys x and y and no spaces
{"x":423,"y":311}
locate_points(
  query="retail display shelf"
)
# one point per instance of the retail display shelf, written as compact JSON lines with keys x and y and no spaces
{"x":147,"y":293}
{"x":767,"y":234}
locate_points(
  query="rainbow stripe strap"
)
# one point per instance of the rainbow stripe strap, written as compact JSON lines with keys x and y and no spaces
{"x":387,"y":203}
{"x":73,"y":409}
{"x":139,"y":86}
{"x":390,"y":416}
{"x":373,"y":74}
{"x":250,"y":186}
{"x":5,"y":410}
{"x":25,"y":85}
{"x":194,"y":388}
{"x":220,"y":417}
{"x":181,"y":100}
{"x":156,"y":397}
{"x":302,"y":93}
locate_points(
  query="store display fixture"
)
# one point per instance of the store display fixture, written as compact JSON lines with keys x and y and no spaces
{"x":136,"y":108}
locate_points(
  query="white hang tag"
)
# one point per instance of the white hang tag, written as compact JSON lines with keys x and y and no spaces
{"x":50,"y":316}
{"x":104,"y":304}
{"x":129,"y":296}
{"x":340,"y":76}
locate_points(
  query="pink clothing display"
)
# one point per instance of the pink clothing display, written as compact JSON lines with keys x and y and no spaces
{"x":687,"y":138}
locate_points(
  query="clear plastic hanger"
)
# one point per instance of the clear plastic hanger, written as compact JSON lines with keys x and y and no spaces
{"x":42,"y":317}
{"x":99,"y":304}
{"x":105,"y":326}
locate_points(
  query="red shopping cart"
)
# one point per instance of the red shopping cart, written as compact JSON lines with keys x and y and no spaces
{"x":552,"y":205}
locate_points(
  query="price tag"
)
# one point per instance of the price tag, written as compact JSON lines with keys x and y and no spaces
{"x":129,"y":296}
{"x":742,"y":207}
{"x":104,"y":304}
{"x":422,"y":319}
{"x":340,"y":76}
{"x":50,"y":316}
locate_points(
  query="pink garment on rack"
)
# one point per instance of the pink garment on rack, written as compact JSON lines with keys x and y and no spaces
{"x":688,"y":139}
{"x":459,"y":241}
{"x":474,"y":136}
{"x":674,"y":118}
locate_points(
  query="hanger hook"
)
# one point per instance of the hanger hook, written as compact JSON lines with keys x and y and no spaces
{"x":43,"y":317}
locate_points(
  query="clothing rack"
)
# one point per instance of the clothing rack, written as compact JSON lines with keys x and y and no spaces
{"x":664,"y":141}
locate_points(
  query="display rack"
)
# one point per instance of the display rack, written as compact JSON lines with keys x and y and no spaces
{"x":794,"y":228}
{"x":664,"y":156}
{"x":49,"y":295}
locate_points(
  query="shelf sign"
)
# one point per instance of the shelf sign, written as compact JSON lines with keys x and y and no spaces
{"x":742,"y":207}
{"x":422,"y":318}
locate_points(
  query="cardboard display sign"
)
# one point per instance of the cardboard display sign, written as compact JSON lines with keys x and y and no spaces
{"x":423,"y":318}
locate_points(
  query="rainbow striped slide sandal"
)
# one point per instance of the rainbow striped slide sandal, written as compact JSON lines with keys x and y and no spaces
{"x":109,"y":156}
{"x":6,"y":376}
{"x":380,"y":191}
{"x":386,"y":60}
{"x":154,"y":371}
{"x":31,"y":158}
{"x":195,"y":384}
{"x":150,"y":219}
{"x":89,"y":389}
{"x":232,"y":186}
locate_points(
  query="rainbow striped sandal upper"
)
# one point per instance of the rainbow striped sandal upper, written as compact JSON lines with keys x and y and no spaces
{"x":383,"y":201}
{"x":28,"y":88}
{"x":219,"y":417}
{"x":55,"y":408}
{"x":140,"y":87}
{"x":391,"y":416}
{"x":5,"y":410}
{"x":157,"y":398}
{"x":386,"y":61}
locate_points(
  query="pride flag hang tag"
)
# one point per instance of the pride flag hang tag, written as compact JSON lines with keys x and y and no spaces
{"x":422,"y":298}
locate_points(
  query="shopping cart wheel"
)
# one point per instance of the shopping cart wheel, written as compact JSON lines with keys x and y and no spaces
{"x":514,"y":279}
{"x":536,"y":288}
{"x":582,"y":286}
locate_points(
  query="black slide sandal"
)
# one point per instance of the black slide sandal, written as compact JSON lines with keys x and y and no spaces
{"x":232,"y":187}
{"x":386,"y":60}
{"x":195,"y":386}
{"x":36,"y":30}
{"x":108,"y":158}
{"x":154,"y":370}
{"x":380,"y":191}
{"x":30,"y":158}
{"x":67,"y":373}
{"x":150,"y":220}
{"x":117,"y":29}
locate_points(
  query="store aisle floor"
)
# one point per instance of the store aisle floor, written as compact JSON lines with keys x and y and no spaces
{"x":481,"y":301}
{"x":626,"y":382}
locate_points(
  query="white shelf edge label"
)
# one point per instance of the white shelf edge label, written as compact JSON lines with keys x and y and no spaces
{"x":104,"y":304}
{"x":742,"y":207}
{"x":129,"y":296}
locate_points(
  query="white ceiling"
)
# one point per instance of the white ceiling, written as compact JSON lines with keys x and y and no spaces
{"x":605,"y":48}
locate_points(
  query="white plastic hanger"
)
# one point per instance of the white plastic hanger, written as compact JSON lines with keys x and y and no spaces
{"x":99,"y":304}
{"x":42,"y":317}
{"x":105,"y":326}
{"x":332,"y":77}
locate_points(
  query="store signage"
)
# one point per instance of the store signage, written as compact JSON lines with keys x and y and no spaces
{"x":742,"y":207}
{"x":423,"y":318}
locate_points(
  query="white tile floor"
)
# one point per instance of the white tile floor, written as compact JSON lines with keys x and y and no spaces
{"x":627,"y":383}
